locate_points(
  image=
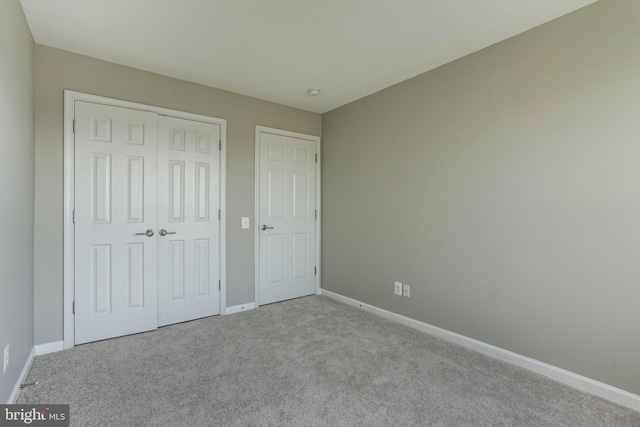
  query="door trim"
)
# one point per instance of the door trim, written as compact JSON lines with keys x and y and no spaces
{"x":256,"y":225}
{"x":69,"y":196}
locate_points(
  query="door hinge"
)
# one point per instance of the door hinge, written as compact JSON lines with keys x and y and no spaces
{"x":74,"y":216}
{"x":74,"y":125}
{"x":219,"y":214}
{"x":219,"y":284}
{"x":316,"y":213}
{"x":315,"y":271}
{"x":73,"y":307}
{"x":219,"y":145}
{"x":316,"y":157}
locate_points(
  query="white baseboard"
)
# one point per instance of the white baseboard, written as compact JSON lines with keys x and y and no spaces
{"x":580,"y":382}
{"x":50,"y":347}
{"x":23,"y":376}
{"x":37,"y":350}
{"x":239,"y":308}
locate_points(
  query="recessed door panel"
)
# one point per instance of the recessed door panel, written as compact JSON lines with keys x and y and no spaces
{"x":135,"y":274}
{"x":176,"y":190}
{"x":275,"y":261}
{"x":101,"y":191}
{"x":300,"y":255}
{"x":135,"y":186}
{"x":176,"y":269}
{"x":275,"y":194}
{"x":301,"y":202}
{"x":203,"y":283}
{"x":101,"y":129}
{"x":136,"y":133}
{"x":203,"y":181}
{"x":277,"y":152}
{"x":177,"y":138}
{"x":101,"y":278}
{"x":301,"y":155}
{"x":203,"y":143}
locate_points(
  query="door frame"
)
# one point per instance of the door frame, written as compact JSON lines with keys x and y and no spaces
{"x":70,"y":97}
{"x":256,"y":225}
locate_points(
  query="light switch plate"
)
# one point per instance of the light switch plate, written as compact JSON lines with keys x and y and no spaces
{"x":245,"y":222}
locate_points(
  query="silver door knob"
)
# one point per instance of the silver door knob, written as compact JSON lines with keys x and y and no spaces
{"x":148,"y":233}
{"x":264,"y":227}
{"x":164,"y":232}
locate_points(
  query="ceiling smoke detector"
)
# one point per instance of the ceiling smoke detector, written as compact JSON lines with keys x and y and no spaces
{"x":313,"y":91}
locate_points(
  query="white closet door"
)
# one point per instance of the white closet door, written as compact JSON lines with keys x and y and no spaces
{"x":115,"y":200}
{"x":287,"y":217}
{"x":188,"y":224}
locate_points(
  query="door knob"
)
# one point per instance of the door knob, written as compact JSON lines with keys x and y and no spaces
{"x":264,"y":227}
{"x":164,"y":232}
{"x":148,"y":233}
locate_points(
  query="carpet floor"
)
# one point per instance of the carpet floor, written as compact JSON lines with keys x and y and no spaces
{"x":305,"y":362}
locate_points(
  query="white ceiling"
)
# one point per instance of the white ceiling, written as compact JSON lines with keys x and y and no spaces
{"x":276,"y":49}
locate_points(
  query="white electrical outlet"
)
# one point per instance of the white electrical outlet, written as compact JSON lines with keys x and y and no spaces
{"x":6,"y":359}
{"x":397,"y":288}
{"x":406,"y":290}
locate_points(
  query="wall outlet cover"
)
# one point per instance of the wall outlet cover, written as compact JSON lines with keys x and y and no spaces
{"x":406,"y":290}
{"x":397,"y":288}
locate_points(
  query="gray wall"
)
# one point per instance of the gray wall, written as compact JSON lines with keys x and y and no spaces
{"x":16,"y":193}
{"x":505,"y":189}
{"x":57,"y":70}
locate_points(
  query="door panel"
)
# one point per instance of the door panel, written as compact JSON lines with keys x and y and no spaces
{"x":135,"y":189}
{"x":287,"y":202}
{"x":188,"y":204}
{"x":115,"y":197}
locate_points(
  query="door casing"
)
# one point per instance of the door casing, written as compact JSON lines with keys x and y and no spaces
{"x":69,"y":196}
{"x":256,"y":225}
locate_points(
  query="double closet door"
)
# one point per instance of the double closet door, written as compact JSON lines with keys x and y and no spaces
{"x":146,"y":218}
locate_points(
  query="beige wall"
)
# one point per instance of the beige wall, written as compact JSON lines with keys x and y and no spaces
{"x":57,"y":70}
{"x":505,"y":189}
{"x":16,"y":191}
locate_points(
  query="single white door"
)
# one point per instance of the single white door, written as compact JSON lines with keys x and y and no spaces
{"x":287,"y":216}
{"x":115,"y":221}
{"x":188,"y":220}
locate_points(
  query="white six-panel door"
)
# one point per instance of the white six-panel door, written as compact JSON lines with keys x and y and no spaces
{"x":147,"y":229}
{"x":115,"y":174}
{"x":188,"y":204}
{"x":287,"y":216}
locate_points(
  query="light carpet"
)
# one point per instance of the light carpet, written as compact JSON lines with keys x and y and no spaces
{"x":306,"y":362}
